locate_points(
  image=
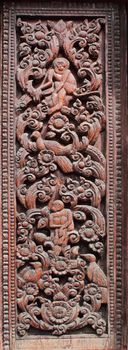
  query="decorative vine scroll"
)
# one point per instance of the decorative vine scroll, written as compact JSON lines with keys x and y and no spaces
{"x":60,"y":177}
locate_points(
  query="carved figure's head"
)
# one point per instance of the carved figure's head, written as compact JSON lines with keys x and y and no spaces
{"x":60,"y":64}
{"x":57,"y":206}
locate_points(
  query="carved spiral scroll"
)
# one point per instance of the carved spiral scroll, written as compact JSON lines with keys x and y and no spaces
{"x":60,"y":177}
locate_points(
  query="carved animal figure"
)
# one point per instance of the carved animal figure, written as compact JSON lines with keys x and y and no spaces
{"x":58,"y":85}
{"x":32,"y":274}
{"x":96,"y":275}
{"x":63,"y":82}
{"x":60,"y":150}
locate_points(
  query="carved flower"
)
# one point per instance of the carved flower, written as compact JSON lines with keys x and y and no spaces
{"x":90,"y":231}
{"x":46,"y":157}
{"x":59,"y":312}
{"x":25,"y":250}
{"x":46,"y":161}
{"x":59,"y":265}
{"x":58,"y":122}
{"x":31,"y":288}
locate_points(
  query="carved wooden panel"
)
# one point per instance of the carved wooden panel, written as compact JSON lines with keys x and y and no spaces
{"x":61,"y":177}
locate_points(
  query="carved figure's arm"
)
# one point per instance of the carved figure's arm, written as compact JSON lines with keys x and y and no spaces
{"x":50,"y":80}
{"x":64,"y":79}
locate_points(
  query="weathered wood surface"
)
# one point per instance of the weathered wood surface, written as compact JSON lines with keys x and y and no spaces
{"x":63,"y":130}
{"x":60,"y":176}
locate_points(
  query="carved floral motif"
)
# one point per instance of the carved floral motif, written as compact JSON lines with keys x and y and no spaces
{"x":60,"y":177}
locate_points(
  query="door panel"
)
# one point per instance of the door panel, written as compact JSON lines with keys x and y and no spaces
{"x":62,"y":168}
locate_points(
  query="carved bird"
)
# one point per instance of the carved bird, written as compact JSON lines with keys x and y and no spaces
{"x":33,"y":274}
{"x":52,"y":145}
{"x":28,"y":275}
{"x":96,"y":275}
{"x":61,"y":152}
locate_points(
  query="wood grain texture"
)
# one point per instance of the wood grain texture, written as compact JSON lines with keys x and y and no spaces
{"x":68,"y":344}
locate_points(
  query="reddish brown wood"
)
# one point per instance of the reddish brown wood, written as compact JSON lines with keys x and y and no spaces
{"x":60,"y":177}
{"x":64,"y":276}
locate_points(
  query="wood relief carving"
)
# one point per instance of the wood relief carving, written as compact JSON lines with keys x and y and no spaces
{"x":60,"y":178}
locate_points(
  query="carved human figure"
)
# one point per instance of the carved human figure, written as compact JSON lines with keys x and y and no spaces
{"x":57,"y":86}
{"x":60,"y":223}
{"x":64,"y":84}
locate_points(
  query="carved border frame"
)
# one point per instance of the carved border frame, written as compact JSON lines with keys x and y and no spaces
{"x":116,"y":171}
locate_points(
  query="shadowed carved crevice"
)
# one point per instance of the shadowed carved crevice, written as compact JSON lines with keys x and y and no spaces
{"x":60,"y":176}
